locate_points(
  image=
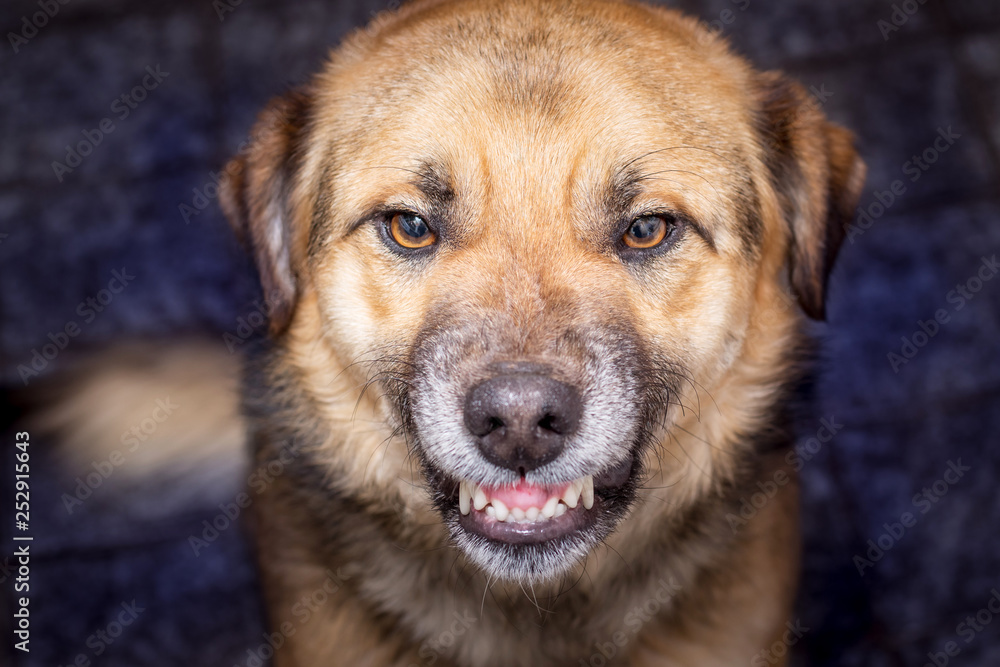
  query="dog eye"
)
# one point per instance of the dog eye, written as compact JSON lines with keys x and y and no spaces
{"x":410,"y":231}
{"x":647,"y":231}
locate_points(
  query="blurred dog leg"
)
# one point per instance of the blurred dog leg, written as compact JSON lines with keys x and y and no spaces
{"x":156,"y":420}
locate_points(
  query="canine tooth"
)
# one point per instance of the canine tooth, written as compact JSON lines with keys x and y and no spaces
{"x":463,"y":497}
{"x":550,"y":508}
{"x":572,"y":494}
{"x":561,"y":509}
{"x":532,"y":513}
{"x":492,"y":513}
{"x":518,"y":513}
{"x":479,"y":499}
{"x":588,"y":492}
{"x":501,"y":510}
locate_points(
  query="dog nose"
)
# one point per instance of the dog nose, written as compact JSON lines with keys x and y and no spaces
{"x":522,"y":420}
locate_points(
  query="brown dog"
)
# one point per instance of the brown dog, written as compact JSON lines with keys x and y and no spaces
{"x":533,"y":339}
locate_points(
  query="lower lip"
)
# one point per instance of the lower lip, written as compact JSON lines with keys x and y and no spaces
{"x":574,"y":520}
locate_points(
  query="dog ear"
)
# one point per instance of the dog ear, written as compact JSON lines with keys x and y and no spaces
{"x":254,"y":195}
{"x":818,"y":177}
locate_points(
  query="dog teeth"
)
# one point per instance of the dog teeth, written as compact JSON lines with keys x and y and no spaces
{"x":479,"y":499}
{"x":501,"y":510}
{"x":588,"y":492}
{"x":472,"y":496}
{"x":572,"y":494}
{"x":549,"y":510}
{"x":463,"y":497}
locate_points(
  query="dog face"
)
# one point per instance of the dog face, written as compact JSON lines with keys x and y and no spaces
{"x":546,"y":233}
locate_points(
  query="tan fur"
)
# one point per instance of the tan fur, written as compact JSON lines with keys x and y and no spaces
{"x":523,"y":155}
{"x":527,"y":113}
{"x":109,"y":403}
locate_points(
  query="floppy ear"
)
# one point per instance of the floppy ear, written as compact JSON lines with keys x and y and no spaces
{"x":255,"y":198}
{"x":818,"y":177}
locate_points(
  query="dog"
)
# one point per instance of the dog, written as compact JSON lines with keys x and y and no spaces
{"x":539,"y":277}
{"x":533,"y":339}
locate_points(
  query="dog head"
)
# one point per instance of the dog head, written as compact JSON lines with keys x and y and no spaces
{"x":551,"y":229}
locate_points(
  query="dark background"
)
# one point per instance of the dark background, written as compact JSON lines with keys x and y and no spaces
{"x":60,"y":241}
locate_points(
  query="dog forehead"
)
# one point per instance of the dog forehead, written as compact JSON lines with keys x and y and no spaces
{"x":450,"y":66}
{"x":527,"y":97}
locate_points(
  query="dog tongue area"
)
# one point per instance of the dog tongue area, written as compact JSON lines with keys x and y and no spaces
{"x":524,"y":495}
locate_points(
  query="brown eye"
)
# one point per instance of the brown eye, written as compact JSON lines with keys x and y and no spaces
{"x":645,"y":232}
{"x":410,"y":231}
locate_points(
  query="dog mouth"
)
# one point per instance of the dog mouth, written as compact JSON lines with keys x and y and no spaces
{"x":527,"y":513}
{"x":534,"y":474}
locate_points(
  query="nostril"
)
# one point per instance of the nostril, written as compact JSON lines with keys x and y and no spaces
{"x":493,"y":424}
{"x":550,"y":422}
